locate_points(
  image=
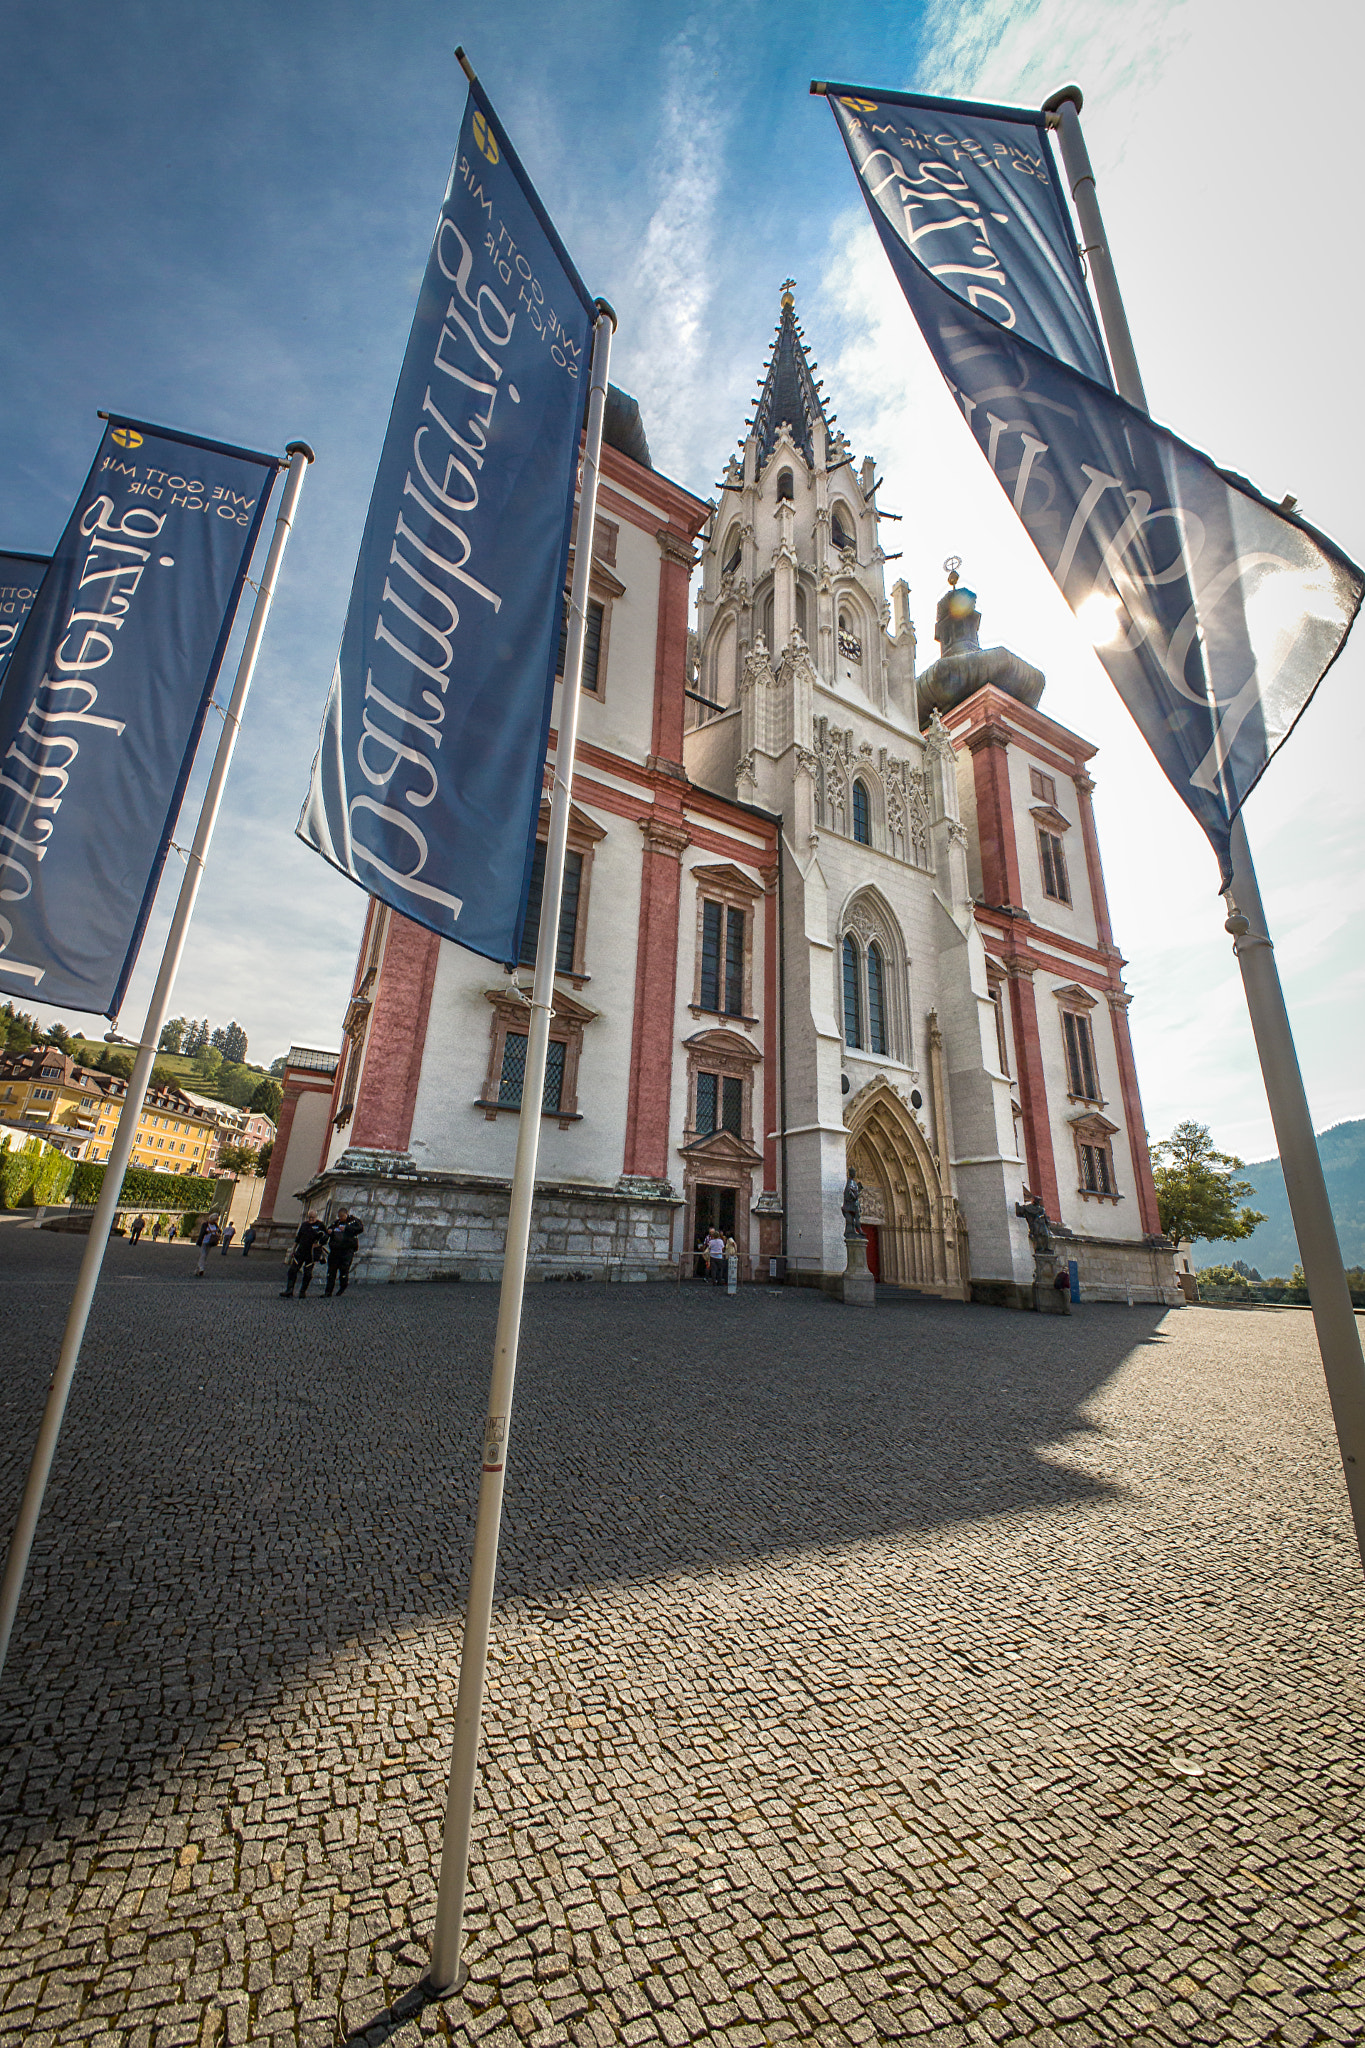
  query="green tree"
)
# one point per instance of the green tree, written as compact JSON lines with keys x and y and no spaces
{"x":164,"y":1076}
{"x":235,"y":1159}
{"x":267,"y":1098}
{"x":263,"y":1158}
{"x":173,"y":1035}
{"x":1197,"y":1190}
{"x":208,"y":1061}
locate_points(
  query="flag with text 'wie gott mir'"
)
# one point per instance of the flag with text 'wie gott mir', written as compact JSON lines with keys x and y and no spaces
{"x":426,"y":785}
{"x":104,"y":700}
{"x":20,"y":576}
{"x":1214,"y":612}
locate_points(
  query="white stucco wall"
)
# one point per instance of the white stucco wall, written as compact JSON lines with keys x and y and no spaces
{"x":449,"y":1132}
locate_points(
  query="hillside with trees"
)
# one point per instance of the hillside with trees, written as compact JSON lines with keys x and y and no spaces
{"x":1271,"y":1248}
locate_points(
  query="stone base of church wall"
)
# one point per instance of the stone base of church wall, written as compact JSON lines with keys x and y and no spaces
{"x":436,"y":1226}
{"x":1118,"y":1269}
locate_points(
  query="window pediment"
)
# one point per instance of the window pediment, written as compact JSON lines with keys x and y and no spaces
{"x":722,"y":878}
{"x":1074,"y":997}
{"x":1048,"y":816}
{"x":723,"y":1045}
{"x":565,"y":1010}
{"x":584,"y":832}
{"x":722,"y":1148}
{"x":1090,"y":1124}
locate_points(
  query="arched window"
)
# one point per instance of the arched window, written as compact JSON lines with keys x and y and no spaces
{"x":768,"y":621}
{"x":862,"y":815}
{"x":840,"y":528}
{"x":853,"y":1002}
{"x":876,"y":1004}
{"x":786,"y":485}
{"x":734,"y":549}
{"x":801,"y":610}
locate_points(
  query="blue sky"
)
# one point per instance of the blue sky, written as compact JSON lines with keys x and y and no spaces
{"x":216,"y":216}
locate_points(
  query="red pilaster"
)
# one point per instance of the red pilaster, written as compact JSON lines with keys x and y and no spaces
{"x":670,"y":650}
{"x":1028,"y":1054}
{"x":989,"y":748}
{"x":771,"y":1002}
{"x":656,"y":983}
{"x":396,"y":1037}
{"x":1099,"y":900}
{"x":289,"y":1096}
{"x":1133,"y":1118}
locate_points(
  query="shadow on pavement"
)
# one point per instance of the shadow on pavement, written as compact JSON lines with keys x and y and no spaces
{"x":245,"y":1484}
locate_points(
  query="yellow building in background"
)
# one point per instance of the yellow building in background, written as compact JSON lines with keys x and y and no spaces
{"x":47,"y":1091}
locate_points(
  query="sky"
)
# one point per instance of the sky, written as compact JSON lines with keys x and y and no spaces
{"x":216,"y":216}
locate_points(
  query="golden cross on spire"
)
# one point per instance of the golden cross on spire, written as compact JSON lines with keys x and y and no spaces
{"x":788,"y":287}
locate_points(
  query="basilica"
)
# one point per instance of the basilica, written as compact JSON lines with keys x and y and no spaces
{"x":826,"y":909}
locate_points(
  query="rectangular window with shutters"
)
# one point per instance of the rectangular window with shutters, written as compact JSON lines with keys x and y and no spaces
{"x":712,"y":924}
{"x":1080,"y":1056}
{"x":731,"y":1103}
{"x":707,"y":1085}
{"x":1053,"y":859}
{"x":568,"y":910}
{"x":1043,"y":786}
{"x":734,"y":963}
{"x":592,"y":643}
{"x":1097,"y":1177}
{"x":514,"y":1072}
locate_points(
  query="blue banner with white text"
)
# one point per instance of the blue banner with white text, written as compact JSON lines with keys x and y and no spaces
{"x":1215,"y":613}
{"x":426,"y":785}
{"x":107,"y":690}
{"x":20,"y":576}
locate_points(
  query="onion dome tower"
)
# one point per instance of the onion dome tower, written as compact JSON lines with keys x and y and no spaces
{"x":964,"y":666}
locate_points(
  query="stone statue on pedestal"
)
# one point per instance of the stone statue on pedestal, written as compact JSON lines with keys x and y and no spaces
{"x":853,"y":1207}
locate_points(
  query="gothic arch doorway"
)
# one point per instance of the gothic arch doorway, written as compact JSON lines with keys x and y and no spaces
{"x":919,"y":1240}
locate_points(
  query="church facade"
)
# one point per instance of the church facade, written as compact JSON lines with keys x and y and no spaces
{"x":824,"y":911}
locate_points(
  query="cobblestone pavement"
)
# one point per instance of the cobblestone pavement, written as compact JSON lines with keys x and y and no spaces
{"x":918,"y":1673}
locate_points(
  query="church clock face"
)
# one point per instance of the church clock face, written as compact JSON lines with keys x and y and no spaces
{"x":849,"y":666}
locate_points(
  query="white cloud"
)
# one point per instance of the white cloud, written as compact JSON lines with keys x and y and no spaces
{"x":671,"y":287}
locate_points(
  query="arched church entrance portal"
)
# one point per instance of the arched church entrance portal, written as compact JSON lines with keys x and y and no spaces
{"x":918,"y":1242}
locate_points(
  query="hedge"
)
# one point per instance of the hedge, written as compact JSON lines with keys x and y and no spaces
{"x":33,"y":1175}
{"x":144,"y":1189}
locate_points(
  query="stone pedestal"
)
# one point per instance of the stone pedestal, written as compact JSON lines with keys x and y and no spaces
{"x":1048,"y":1298}
{"x":857,"y":1287}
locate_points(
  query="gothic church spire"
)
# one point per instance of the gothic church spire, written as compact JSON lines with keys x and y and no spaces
{"x":789,"y":396}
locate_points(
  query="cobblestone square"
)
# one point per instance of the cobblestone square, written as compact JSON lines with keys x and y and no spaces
{"x":925,"y":1673}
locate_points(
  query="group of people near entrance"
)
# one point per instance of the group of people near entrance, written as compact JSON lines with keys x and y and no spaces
{"x":713,"y":1257}
{"x":313,"y":1239}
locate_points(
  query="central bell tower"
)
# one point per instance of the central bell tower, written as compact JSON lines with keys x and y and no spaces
{"x":793,"y":572}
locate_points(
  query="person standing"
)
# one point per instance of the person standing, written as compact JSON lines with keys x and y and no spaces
{"x":228,"y":1236}
{"x":156,"y":1231}
{"x":309,"y":1240}
{"x":208,"y":1238}
{"x":715,"y":1252}
{"x":343,"y":1242}
{"x":248,"y":1238}
{"x":135,"y":1233}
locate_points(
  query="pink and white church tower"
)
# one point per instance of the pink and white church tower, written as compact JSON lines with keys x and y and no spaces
{"x":952,"y":1007}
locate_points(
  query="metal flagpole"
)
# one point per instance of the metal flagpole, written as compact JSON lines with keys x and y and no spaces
{"x":446,"y":1972}
{"x":30,"y":1506}
{"x":1314,"y":1227}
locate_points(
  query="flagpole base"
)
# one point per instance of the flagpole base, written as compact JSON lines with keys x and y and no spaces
{"x":451,"y":1990}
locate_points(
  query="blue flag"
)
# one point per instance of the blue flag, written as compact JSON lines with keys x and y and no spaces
{"x":20,"y":576}
{"x":1215,"y":613}
{"x":108,"y":687}
{"x":426,"y":785}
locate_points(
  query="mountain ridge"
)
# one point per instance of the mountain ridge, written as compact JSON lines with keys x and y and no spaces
{"x":1272,"y":1248}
